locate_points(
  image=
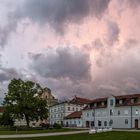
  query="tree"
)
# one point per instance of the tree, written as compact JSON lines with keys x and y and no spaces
{"x":24,"y":100}
{"x":6,"y":119}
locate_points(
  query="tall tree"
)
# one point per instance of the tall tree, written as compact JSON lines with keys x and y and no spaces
{"x":6,"y":119}
{"x":24,"y":100}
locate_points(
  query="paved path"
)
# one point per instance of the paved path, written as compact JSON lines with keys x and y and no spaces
{"x":43,"y":134}
{"x":127,"y":130}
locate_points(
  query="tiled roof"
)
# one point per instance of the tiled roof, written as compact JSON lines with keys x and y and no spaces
{"x":78,"y":100}
{"x":126,"y":101}
{"x":63,"y":102}
{"x":128,"y":96}
{"x":74,"y":115}
{"x":99,"y":100}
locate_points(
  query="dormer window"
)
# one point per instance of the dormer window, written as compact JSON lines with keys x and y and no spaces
{"x":120,"y":102}
{"x":132,"y":101}
{"x":102,"y":103}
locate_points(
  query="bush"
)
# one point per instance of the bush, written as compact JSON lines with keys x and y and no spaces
{"x":44,"y":125}
{"x":56,"y":126}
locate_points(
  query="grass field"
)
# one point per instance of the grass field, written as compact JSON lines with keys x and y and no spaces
{"x":36,"y":131}
{"x":99,"y":136}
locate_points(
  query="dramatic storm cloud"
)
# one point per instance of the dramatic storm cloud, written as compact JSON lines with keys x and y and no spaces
{"x":90,"y":48}
{"x":58,"y":14}
{"x":61,"y":13}
{"x":70,"y":63}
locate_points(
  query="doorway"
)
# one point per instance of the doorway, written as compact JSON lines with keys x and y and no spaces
{"x":136,"y":123}
{"x":87,"y":124}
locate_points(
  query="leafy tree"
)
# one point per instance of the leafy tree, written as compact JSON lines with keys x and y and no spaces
{"x":24,"y":100}
{"x":6,"y":119}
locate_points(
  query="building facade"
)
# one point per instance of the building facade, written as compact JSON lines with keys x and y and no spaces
{"x":114,"y":112}
{"x":74,"y":119}
{"x":58,"y":112}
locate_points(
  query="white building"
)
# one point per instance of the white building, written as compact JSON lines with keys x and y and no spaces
{"x":59,"y":111}
{"x":74,"y":119}
{"x":114,"y":111}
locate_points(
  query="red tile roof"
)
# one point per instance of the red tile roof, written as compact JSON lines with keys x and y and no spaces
{"x":126,"y":101}
{"x":74,"y":115}
{"x":78,"y":100}
{"x":99,"y":100}
{"x":128,"y":96}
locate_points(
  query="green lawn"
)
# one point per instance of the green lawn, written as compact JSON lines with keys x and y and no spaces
{"x":36,"y":131}
{"x":99,"y":136}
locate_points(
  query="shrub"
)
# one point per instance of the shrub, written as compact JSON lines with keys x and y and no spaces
{"x":56,"y":126}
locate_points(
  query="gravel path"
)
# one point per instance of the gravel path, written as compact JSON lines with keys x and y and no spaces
{"x":43,"y":134}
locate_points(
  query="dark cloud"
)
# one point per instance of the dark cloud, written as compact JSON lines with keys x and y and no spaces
{"x":67,"y":70}
{"x":5,"y":33}
{"x":134,"y":3}
{"x":68,"y":62}
{"x":112,"y":32}
{"x":64,"y":70}
{"x":8,"y":73}
{"x":60,"y":13}
{"x":12,"y":19}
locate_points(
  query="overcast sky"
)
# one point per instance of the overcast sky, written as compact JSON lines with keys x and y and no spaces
{"x":88,"y":48}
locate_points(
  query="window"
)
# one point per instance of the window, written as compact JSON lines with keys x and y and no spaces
{"x":99,"y":123}
{"x":76,"y":109}
{"x":103,"y":103}
{"x":110,"y":122}
{"x":73,"y":108}
{"x":93,"y":114}
{"x":105,"y":123}
{"x":92,"y":123}
{"x":68,"y":108}
{"x":137,"y":112}
{"x":111,"y":102}
{"x":132,"y":101}
{"x":87,"y":114}
{"x":79,"y":122}
{"x":111,"y":112}
{"x":119,"y":112}
{"x":120,"y":102}
{"x":126,"y":121}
